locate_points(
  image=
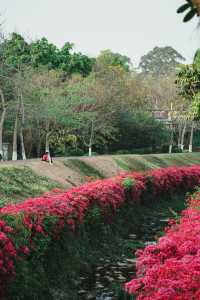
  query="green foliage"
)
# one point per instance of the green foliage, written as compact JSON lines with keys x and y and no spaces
{"x":188,"y":81}
{"x":62,"y":150}
{"x":15,"y":52}
{"x":128,"y":183}
{"x":122,"y":164}
{"x":146,"y":162}
{"x":108,"y":58}
{"x":139,"y":130}
{"x":17,"y":184}
{"x":188,"y":78}
{"x":190,"y":9}
{"x":84,"y":168}
{"x":196,"y":60}
{"x":160,"y":60}
{"x":121,"y":294}
{"x":75,"y":102}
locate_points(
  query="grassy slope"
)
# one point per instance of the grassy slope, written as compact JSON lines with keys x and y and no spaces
{"x":106,"y":166}
{"x":17,"y":184}
{"x":20,"y":180}
{"x":83,"y":168}
{"x":150,"y":161}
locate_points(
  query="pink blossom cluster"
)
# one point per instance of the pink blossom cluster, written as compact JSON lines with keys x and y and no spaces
{"x":170,"y":270}
{"x":47,"y":215}
{"x":174,"y":179}
{"x":8,"y":254}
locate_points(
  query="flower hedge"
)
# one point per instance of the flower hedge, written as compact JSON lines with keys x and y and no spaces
{"x":30,"y":226}
{"x":171,"y":268}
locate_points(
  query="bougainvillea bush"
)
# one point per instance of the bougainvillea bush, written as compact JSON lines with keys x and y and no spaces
{"x":171,"y":268}
{"x":30,"y":228}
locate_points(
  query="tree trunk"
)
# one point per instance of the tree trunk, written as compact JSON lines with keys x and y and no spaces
{"x":90,"y":151}
{"x":39,"y":148}
{"x":191,"y":137}
{"x":2,"y":119}
{"x":179,"y":136}
{"x":171,"y":140}
{"x":22,"y":128}
{"x":47,"y":137}
{"x":47,"y":142}
{"x":15,"y":130}
{"x":38,"y":140}
{"x":22,"y":144}
{"x":14,"y":154}
{"x":29,"y":143}
{"x":47,"y":146}
{"x":91,"y":138}
{"x":183,"y":136}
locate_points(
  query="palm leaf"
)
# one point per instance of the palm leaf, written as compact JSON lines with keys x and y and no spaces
{"x":190,"y":15}
{"x":183,"y":7}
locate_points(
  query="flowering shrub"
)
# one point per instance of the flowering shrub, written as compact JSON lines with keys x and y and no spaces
{"x":174,"y":179}
{"x":171,"y":268}
{"x":29,"y":227}
{"x":8,"y":254}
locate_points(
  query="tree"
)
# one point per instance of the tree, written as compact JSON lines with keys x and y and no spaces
{"x":40,"y":53}
{"x":16,"y":111}
{"x":97,"y":111}
{"x":108,"y":58}
{"x":15,"y":51}
{"x":43,"y":53}
{"x":2,"y":119}
{"x":160,"y":61}
{"x":188,"y":80}
{"x":57,"y":108}
{"x":139,"y":130}
{"x":6,"y":83}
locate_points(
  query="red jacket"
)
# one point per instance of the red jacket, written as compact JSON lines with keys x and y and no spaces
{"x":45,"y":157}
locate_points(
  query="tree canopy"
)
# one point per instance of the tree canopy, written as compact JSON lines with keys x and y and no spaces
{"x":58,"y":99}
{"x":16,"y":51}
{"x":109,"y":58}
{"x":160,"y":60}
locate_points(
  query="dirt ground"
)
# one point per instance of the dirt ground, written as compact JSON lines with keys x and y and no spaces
{"x":63,"y":174}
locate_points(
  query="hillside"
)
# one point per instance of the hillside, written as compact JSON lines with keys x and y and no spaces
{"x":32,"y":177}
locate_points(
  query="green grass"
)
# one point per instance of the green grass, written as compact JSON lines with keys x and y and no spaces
{"x":17,"y":184}
{"x":151,"y":161}
{"x":122,"y":164}
{"x":83,"y":168}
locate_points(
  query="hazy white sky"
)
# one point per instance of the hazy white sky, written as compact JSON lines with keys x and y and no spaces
{"x":130,"y":27}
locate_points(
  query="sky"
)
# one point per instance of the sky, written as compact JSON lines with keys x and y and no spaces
{"x":129,"y":27}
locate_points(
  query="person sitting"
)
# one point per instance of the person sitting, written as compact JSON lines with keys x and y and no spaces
{"x":46,"y":157}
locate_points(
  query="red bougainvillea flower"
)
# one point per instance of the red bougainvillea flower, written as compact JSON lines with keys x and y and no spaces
{"x":46,"y":216}
{"x":171,"y":268}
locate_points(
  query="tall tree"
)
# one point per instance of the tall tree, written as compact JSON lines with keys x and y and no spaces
{"x":109,"y":58}
{"x":17,"y":51}
{"x":160,"y":61}
{"x":188,"y":80}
